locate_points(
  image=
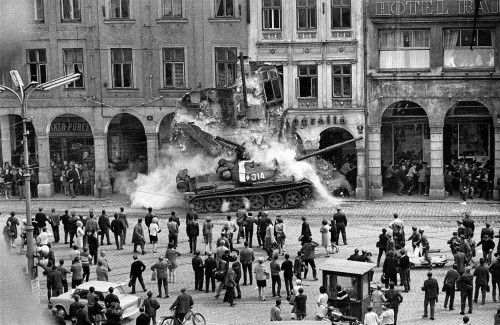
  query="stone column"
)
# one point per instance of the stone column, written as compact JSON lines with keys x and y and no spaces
{"x":361,"y":178}
{"x":152,"y":140}
{"x":436,"y":190}
{"x":101,"y":164}
{"x":496,"y":153}
{"x":45,"y":184}
{"x":5,"y":135}
{"x":373,"y":144}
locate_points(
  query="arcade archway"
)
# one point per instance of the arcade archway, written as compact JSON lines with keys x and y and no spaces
{"x":12,"y":138}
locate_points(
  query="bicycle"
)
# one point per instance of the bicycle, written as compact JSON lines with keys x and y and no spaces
{"x":196,"y":318}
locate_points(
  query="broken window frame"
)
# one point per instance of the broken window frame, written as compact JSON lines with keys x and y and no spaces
{"x":225,"y":8}
{"x":171,"y":9}
{"x":73,"y":63}
{"x":303,"y":79}
{"x":345,"y":80}
{"x":38,"y":11}
{"x":36,"y":61}
{"x":307,"y":10}
{"x":272,"y":85}
{"x":271,"y":15}
{"x":228,"y":66}
{"x":122,"y":68}
{"x":341,"y":9}
{"x":119,"y":9}
{"x":70,"y":11}
{"x":175,"y":60}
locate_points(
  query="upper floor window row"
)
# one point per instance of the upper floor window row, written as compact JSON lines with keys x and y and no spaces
{"x":457,"y":53}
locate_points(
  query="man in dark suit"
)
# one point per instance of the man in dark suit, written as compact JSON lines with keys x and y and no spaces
{"x":305,"y":232}
{"x":341,"y":222}
{"x":182,"y":305}
{"x":19,"y":179}
{"x":73,"y":179}
{"x":197,"y":264}
{"x":404,"y":269}
{"x":136,"y":269}
{"x":143,"y":318}
{"x":431,"y":288}
{"x":161,"y":268}
{"x":249,"y":222}
{"x":210,"y":265}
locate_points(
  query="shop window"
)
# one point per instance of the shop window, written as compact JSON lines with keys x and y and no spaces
{"x":173,"y":67}
{"x":224,"y":8}
{"x":121,"y":63}
{"x":171,"y":8}
{"x":225,"y":66}
{"x":341,"y":80}
{"x":70,"y":10}
{"x":271,"y":14}
{"x":38,"y":12}
{"x":404,"y":49}
{"x":73,"y":63}
{"x":457,"y":48}
{"x":306,"y":14}
{"x":37,"y":65}
{"x":307,"y":83}
{"x":272,"y":85}
{"x":119,"y":9}
{"x":341,"y":14}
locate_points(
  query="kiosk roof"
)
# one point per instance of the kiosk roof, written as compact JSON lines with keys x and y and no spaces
{"x":345,"y":266}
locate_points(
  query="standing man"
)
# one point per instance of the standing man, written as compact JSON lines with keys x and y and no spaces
{"x":308,"y":257}
{"x":495,"y":278}
{"x":305,"y":232}
{"x":449,"y":284}
{"x":466,"y":285}
{"x":482,"y":279}
{"x":73,"y":178}
{"x":207,"y":234}
{"x":210,"y":265}
{"x":41,"y":219}
{"x":459,"y":258}
{"x":230,"y":283}
{"x":469,"y":224}
{"x":246,"y":259}
{"x":431,"y":289}
{"x":404,"y":270}
{"x":248,"y":223}
{"x":287,"y":268}
{"x":341,"y":222}
{"x":55,"y":220}
{"x":136,"y":269}
{"x":64,"y":272}
{"x":275,"y":276}
{"x":230,"y":228}
{"x":261,"y":229}
{"x":117,"y":229}
{"x":241,"y":215}
{"x":151,"y":305}
{"x":65,"y":221}
{"x":182,"y":305}
{"x":138,"y":237}
{"x":192,"y":231}
{"x":93,"y":242}
{"x":382,"y":245}
{"x":425,"y":247}
{"x":104,"y":225}
{"x":72,"y":227}
{"x":148,"y":220}
{"x":197,"y":264}
{"x":173,"y":231}
{"x":122,"y":217}
{"x":161,"y":269}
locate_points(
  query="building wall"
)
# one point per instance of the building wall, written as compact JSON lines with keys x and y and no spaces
{"x":437,"y":87}
{"x":146,"y":32}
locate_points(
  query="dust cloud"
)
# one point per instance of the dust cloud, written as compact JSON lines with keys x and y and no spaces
{"x":15,"y":28}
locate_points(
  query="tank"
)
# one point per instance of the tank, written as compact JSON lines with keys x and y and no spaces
{"x":245,"y":181}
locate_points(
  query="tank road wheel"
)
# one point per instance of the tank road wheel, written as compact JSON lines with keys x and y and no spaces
{"x":199,"y":204}
{"x":275,"y":201}
{"x":213,"y":205}
{"x":257,"y":202}
{"x":235,"y":203}
{"x":307,"y":191}
{"x":293,"y":198}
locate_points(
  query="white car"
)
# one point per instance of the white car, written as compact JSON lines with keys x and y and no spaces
{"x":130,"y":303}
{"x":437,"y":258}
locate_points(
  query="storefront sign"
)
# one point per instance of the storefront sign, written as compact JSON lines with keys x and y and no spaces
{"x":70,"y":127}
{"x":431,"y":8}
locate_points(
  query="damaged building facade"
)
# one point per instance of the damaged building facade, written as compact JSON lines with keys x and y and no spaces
{"x":314,"y":49}
{"x":137,"y":58}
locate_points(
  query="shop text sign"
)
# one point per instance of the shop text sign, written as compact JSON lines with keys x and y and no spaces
{"x":419,"y":8}
{"x":70,"y":127}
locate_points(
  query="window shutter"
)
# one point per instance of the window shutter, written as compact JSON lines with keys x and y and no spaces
{"x":297,"y":90}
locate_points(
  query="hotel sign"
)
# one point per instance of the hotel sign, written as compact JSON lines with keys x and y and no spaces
{"x":431,"y":8}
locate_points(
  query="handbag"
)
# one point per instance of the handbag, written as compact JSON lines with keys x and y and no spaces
{"x":267,"y":275}
{"x":156,"y":304}
{"x":444,"y":288}
{"x":488,"y":288}
{"x":219,"y":276}
{"x":300,"y":237}
{"x":153,"y":275}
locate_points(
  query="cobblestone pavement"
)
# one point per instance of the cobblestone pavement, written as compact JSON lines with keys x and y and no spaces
{"x":364,"y":222}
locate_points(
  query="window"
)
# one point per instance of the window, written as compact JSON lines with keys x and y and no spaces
{"x":173,"y":67}
{"x":306,"y":14}
{"x":71,"y":10}
{"x":224,"y":8}
{"x":342,"y":80}
{"x":171,"y":8}
{"x":38,"y":13}
{"x":457,"y":53}
{"x":404,"y":48}
{"x":341,"y":14}
{"x":308,"y":81}
{"x":121,"y":63}
{"x":225,"y":66}
{"x":73,"y":63}
{"x":37,"y":66}
{"x":120,"y":9}
{"x":272,"y":85}
{"x":271,"y":14}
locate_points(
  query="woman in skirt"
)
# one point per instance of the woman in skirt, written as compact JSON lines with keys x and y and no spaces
{"x":261,"y":276}
{"x":333,"y":237}
{"x":324,"y":235}
{"x":154,"y":229}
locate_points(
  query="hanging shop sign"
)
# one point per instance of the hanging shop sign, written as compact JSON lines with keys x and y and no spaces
{"x":70,"y":127}
{"x":431,"y":8}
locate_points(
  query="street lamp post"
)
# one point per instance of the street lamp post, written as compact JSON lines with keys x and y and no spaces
{"x":23,"y":96}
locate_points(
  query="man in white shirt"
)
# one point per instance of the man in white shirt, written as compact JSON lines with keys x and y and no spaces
{"x":387,"y":317}
{"x":371,"y":317}
{"x":44,"y":238}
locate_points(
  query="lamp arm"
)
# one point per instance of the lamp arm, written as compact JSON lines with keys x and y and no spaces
{"x":19,"y":98}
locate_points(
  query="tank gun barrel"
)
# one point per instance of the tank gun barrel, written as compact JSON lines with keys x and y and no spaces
{"x":327,"y":149}
{"x":227,"y":141}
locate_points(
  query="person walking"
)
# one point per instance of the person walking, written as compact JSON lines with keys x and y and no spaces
{"x":154,"y":230}
{"x":210,"y":266}
{"x":415,"y":240}
{"x":482,"y":280}
{"x":207,"y":234}
{"x":54,"y":220}
{"x":261,"y":276}
{"x":431,"y":289}
{"x":197,"y":264}
{"x":230,"y":283}
{"x":192,"y":231}
{"x":494,"y":270}
{"x":341,"y":222}
{"x":249,"y":224}
{"x":275,"y":276}
{"x":287,"y":268}
{"x":425,"y":248}
{"x":466,"y":286}
{"x":305,"y":232}
{"x":449,"y":285}
{"x":104,"y":225}
{"x":394,"y":298}
{"x":171,"y":254}
{"x":324,"y":230}
{"x":151,"y":305}
{"x":246,"y":258}
{"x":181,"y":306}
{"x":136,"y":269}
{"x":117,"y":229}
{"x":138,"y":237}
{"x":161,"y":269}
{"x":308,"y":257}
{"x":382,"y":245}
{"x":122,"y":217}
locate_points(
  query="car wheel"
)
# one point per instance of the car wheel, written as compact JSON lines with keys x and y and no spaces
{"x":61,"y":309}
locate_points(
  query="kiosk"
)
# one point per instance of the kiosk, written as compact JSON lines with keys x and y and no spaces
{"x":354,"y":278}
